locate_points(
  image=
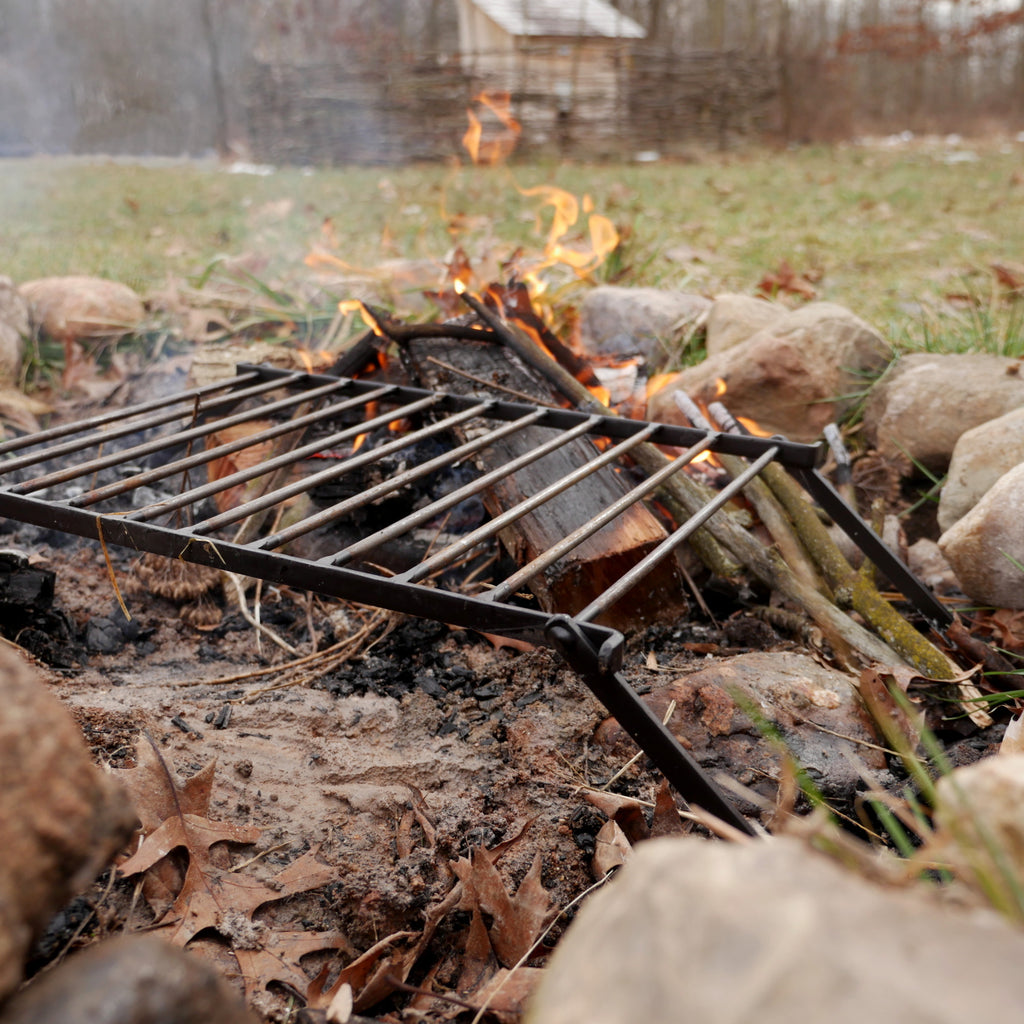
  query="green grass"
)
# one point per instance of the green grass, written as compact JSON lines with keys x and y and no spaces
{"x":892,"y":233}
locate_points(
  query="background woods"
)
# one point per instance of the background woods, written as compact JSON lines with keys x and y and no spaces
{"x":357,"y":81}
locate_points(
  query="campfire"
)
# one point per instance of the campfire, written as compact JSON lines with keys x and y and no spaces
{"x":376,"y":492}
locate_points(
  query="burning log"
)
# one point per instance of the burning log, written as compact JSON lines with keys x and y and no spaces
{"x":850,"y":640}
{"x":588,"y":570}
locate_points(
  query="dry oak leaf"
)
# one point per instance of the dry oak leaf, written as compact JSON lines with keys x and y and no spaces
{"x":226,"y":900}
{"x":786,"y":279}
{"x":204,"y":895}
{"x":518,"y":921}
{"x":150,"y":782}
{"x":372,"y":975}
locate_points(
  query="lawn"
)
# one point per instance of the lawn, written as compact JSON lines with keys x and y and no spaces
{"x":905,"y":235}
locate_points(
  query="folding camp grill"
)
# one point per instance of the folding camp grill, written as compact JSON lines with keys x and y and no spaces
{"x":51,"y":479}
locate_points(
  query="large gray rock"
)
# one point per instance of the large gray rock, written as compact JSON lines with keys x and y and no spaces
{"x":773,"y":932}
{"x":986,"y":547}
{"x":14,"y":328}
{"x":61,"y":818}
{"x":642,"y":321}
{"x":792,"y":377}
{"x":980,"y":458}
{"x":733,"y":319}
{"x":926,"y":402}
{"x":133,"y":979}
{"x":979,"y":819}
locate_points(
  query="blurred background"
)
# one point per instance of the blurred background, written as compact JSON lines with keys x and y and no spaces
{"x":388,"y":81}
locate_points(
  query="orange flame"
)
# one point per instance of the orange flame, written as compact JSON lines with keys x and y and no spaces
{"x":347,"y":306}
{"x":582,"y":257}
{"x":498,"y":148}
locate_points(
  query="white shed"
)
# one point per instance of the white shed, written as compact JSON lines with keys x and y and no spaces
{"x":563,"y":61}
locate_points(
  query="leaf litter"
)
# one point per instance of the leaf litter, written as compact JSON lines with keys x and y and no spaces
{"x":193,"y":887}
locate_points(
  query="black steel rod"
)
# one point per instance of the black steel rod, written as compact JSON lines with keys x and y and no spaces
{"x":625,"y":583}
{"x":191,"y":462}
{"x":52,"y":433}
{"x":692,"y":783}
{"x":342,"y":508}
{"x":160,"y":443}
{"x":873,"y":547}
{"x":275,"y":567}
{"x":271,"y":498}
{"x":790,"y":453}
{"x":470,"y":540}
{"x":588,"y":529}
{"x":450,"y":500}
{"x":97,"y":440}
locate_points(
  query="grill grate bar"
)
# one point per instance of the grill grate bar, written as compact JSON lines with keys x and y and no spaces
{"x":206,"y":456}
{"x":396,"y":483}
{"x":53,"y":433}
{"x":516,"y":512}
{"x":282,"y":494}
{"x":151,"y":447}
{"x":555,"y":552}
{"x":470,"y":490}
{"x":630,"y":579}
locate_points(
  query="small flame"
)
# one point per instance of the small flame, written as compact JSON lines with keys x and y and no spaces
{"x":498,"y":148}
{"x":720,"y":387}
{"x":753,"y":426}
{"x":307,"y":359}
{"x":359,"y":442}
{"x":582,"y":257}
{"x":348,"y":306}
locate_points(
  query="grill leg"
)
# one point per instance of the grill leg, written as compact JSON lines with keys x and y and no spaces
{"x":688,"y":778}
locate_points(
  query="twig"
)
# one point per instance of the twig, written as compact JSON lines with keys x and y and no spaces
{"x":253,"y":621}
{"x":669,"y":712}
{"x":110,"y":569}
{"x":489,"y":384}
{"x":759,"y":495}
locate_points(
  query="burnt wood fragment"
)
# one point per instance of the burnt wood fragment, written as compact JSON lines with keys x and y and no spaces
{"x":587,"y":571}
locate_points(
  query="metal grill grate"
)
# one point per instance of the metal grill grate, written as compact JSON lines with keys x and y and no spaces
{"x":267,"y":424}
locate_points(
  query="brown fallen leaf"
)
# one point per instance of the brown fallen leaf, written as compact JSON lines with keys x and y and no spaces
{"x":506,"y":994}
{"x":211,"y":897}
{"x":1009,"y":275}
{"x":627,"y":813}
{"x":611,"y":849}
{"x":373,"y":975}
{"x":786,"y":279}
{"x":896,"y":726}
{"x":157,"y":795}
{"x":378,"y":973}
{"x":666,"y":820}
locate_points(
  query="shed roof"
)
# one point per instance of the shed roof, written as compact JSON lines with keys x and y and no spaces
{"x":561,"y":18}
